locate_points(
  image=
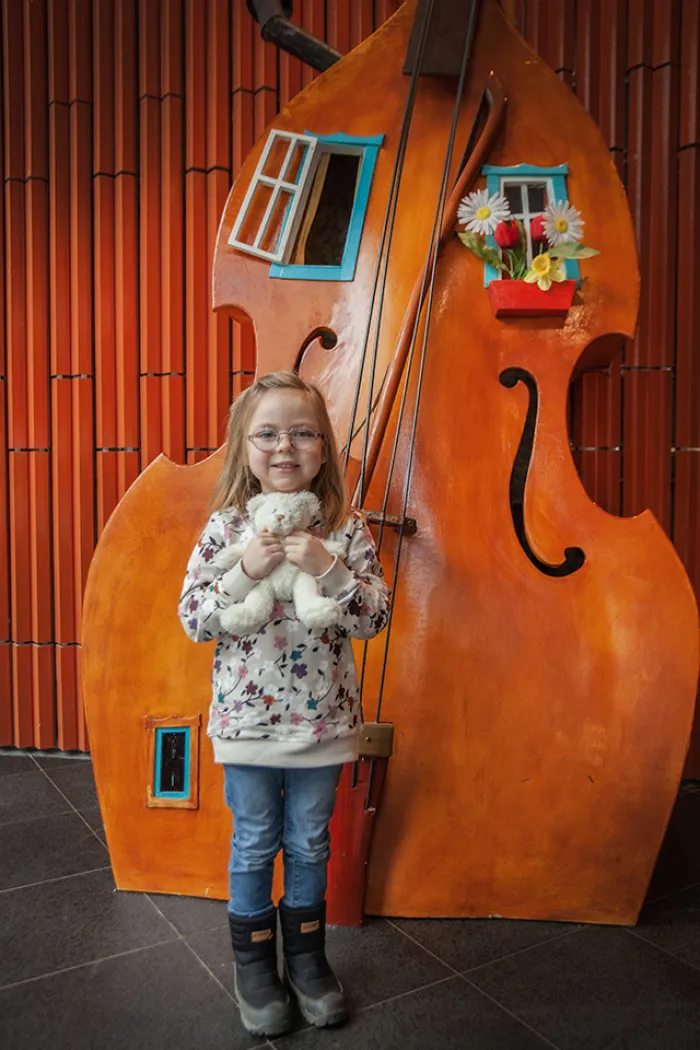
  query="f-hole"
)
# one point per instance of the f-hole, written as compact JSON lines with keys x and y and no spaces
{"x":327,"y":338}
{"x":574,"y":557}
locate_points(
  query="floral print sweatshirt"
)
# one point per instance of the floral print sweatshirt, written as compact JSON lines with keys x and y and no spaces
{"x":286,"y":695}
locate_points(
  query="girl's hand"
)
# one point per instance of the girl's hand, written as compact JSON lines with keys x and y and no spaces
{"x":261,"y":556}
{"x":307,"y":553}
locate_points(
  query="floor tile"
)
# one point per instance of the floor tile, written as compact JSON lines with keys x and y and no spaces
{"x":673,"y":923}
{"x":447,"y":1016}
{"x":600,"y":988}
{"x":94,"y":818}
{"x":48,"y":848}
{"x":373,"y":963}
{"x":678,"y":864}
{"x":73,"y":921}
{"x":154,"y":999}
{"x":13,"y":761}
{"x":27,"y":795}
{"x":191,"y":914}
{"x":77,"y":782}
{"x":464,"y":943}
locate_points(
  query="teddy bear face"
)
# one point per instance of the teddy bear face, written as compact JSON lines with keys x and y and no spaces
{"x":283,"y":512}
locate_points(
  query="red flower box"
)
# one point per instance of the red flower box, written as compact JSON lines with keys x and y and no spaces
{"x":520,"y":299}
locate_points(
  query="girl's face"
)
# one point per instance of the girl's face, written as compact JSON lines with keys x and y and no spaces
{"x":285,"y":467}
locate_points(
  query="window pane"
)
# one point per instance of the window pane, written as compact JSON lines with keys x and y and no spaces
{"x":275,"y":160}
{"x":254,"y":214}
{"x":172,"y":762}
{"x":270,"y":239}
{"x":537,"y":196}
{"x":324,"y":229}
{"x":294,"y":165}
{"x":513,"y":195}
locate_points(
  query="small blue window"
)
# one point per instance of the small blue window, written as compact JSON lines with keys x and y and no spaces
{"x":528,"y":189}
{"x":172,"y":763}
{"x":327,"y":240}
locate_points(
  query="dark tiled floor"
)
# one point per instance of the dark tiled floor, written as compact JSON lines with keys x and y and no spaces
{"x":83,"y":967}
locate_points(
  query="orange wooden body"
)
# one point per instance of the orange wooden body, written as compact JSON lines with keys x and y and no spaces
{"x":541,"y":722}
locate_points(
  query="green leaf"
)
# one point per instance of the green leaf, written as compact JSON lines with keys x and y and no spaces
{"x":483,"y":251}
{"x":572,"y":250}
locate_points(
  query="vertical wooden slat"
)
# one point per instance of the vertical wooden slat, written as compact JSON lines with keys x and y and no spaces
{"x":15,"y":259}
{"x":313,"y":19}
{"x":264,"y":81}
{"x":290,"y":79}
{"x":588,"y":54}
{"x":42,"y":655}
{"x":20,"y":576}
{"x":6,"y":719}
{"x":17,"y":420}
{"x":688,"y":266}
{"x":116,"y":471}
{"x":218,"y":164}
{"x":639,"y":162}
{"x":126,"y":225}
{"x":361,"y":21}
{"x":196,"y":277}
{"x":612,"y":105}
{"x":647,"y":435}
{"x":37,"y":366}
{"x":660,"y":316}
{"x":338,"y":25}
{"x":63,"y":559}
{"x":150,"y":191}
{"x":6,"y":687}
{"x":172,"y":192}
{"x":384,"y":9}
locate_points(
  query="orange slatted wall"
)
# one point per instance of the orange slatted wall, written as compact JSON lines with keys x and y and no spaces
{"x":124,"y":123}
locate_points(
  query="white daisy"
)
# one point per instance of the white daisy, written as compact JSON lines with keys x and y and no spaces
{"x":481,"y":213}
{"x":562,"y":222}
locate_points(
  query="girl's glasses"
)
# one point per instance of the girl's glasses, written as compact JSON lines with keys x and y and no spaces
{"x":266,"y":439}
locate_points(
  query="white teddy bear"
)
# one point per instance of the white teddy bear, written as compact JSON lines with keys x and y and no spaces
{"x":281,"y":513}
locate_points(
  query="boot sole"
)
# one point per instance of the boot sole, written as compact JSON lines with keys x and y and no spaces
{"x":312,"y":1010}
{"x":273,"y":1020}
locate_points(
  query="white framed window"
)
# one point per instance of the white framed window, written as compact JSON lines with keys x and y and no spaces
{"x":305,"y":208}
{"x":527,"y":198}
{"x":272,"y":207}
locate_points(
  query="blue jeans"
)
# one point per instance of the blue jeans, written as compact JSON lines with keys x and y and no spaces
{"x":272,"y":809}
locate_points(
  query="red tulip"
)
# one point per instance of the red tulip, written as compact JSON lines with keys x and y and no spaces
{"x":507,"y":234}
{"x":537,"y":230}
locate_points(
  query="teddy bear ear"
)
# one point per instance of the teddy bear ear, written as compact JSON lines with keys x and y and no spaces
{"x":310,"y":502}
{"x":255,"y":502}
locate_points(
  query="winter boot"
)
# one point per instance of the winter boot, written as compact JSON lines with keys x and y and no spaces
{"x":317,"y":989}
{"x":262,"y":998}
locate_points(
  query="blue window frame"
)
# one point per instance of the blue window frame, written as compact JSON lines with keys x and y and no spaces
{"x":367,"y":149}
{"x":172,"y":762}
{"x":498,"y":180}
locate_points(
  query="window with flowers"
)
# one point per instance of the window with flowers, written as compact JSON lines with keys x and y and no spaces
{"x":523,"y":226}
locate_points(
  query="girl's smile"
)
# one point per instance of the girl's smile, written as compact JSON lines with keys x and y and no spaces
{"x":285,"y":468}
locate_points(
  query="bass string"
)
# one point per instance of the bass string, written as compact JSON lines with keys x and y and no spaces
{"x":430,"y":268}
{"x":385,"y":245}
{"x":375,"y":401}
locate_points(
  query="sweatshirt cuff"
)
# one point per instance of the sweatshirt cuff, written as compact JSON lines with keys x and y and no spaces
{"x":337,"y":579}
{"x":235,"y":584}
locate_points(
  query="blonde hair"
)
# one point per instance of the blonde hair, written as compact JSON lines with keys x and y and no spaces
{"x":237,"y":483}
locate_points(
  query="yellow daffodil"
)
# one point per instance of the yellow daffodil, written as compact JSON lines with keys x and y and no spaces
{"x":544,"y":271}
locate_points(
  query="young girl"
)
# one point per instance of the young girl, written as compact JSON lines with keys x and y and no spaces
{"x":285,"y":710}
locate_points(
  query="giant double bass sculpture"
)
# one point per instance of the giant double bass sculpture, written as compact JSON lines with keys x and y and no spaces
{"x":541,"y":664}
